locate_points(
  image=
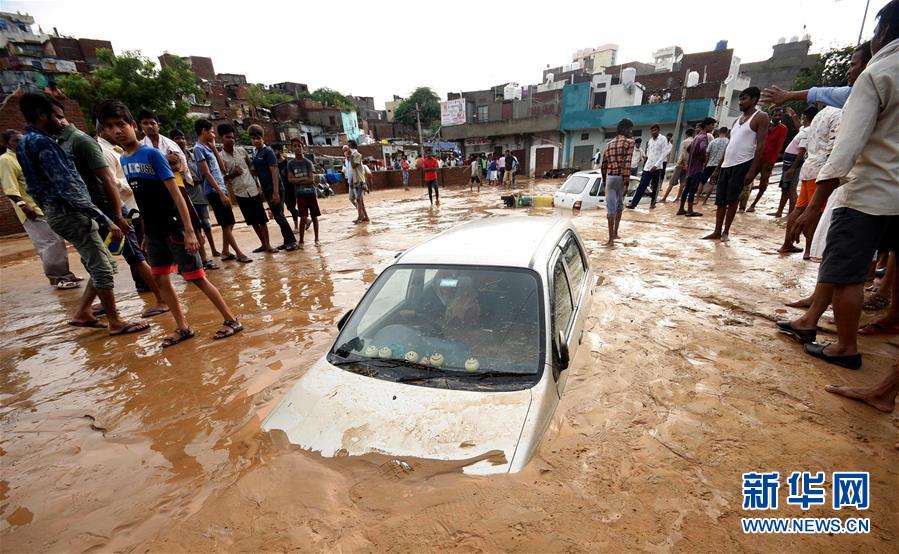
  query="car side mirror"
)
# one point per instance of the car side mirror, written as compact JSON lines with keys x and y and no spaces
{"x":343,"y":320}
{"x":563,"y":352}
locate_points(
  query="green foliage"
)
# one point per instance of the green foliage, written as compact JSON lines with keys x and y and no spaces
{"x":136,"y":81}
{"x":331,"y":97}
{"x":261,"y":98}
{"x":831,"y":70}
{"x":428,"y":104}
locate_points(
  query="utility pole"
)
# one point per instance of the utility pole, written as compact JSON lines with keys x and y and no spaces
{"x":421,"y":142}
{"x":864,"y":17}
{"x":680,"y":114}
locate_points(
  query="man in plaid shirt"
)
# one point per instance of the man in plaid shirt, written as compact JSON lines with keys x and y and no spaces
{"x":616,"y":172}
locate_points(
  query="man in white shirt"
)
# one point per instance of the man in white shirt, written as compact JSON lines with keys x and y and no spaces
{"x":866,"y":210}
{"x":149,"y":124}
{"x":657,"y":150}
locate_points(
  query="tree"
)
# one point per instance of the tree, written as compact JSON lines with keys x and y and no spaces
{"x":261,"y":98}
{"x":831,"y":70}
{"x":428,"y":104}
{"x":136,"y":81}
{"x":331,"y":97}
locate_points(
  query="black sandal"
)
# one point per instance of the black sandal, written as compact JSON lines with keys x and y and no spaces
{"x":233,"y":327}
{"x":183,"y":335}
{"x":805,"y":336}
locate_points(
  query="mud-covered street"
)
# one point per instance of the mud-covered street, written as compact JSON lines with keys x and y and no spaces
{"x":681,"y":385}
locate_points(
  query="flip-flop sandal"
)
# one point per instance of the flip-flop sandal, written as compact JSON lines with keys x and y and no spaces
{"x":244,"y":260}
{"x":228,"y":258}
{"x":153,"y":312}
{"x":876,"y":302}
{"x":233,"y":327}
{"x":183,"y":335}
{"x":210,"y":265}
{"x":98,"y":312}
{"x":259,"y":250}
{"x":66,"y":285}
{"x":88,"y":324}
{"x":130,"y":328}
{"x":875,"y":328}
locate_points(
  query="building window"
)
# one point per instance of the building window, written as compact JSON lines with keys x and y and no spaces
{"x":483,"y":114}
{"x":332,"y":120}
{"x":585,"y":136}
{"x":611,"y":134}
{"x":599,"y":100}
{"x":637,"y":133}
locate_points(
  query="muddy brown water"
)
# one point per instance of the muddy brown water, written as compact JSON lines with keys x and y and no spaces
{"x":680,"y":386}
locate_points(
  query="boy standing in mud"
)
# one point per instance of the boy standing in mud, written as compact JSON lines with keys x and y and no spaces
{"x":171,"y":244}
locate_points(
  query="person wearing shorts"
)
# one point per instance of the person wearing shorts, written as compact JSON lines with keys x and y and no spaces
{"x":95,"y":172}
{"x":616,"y":173}
{"x":210,"y":169}
{"x":171,"y":242}
{"x":244,"y":186}
{"x":300,"y":174}
{"x":741,"y":158}
{"x":818,"y":143}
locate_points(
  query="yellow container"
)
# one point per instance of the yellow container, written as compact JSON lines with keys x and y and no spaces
{"x":543,"y":201}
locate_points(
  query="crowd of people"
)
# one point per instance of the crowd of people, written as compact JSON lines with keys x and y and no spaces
{"x":843,"y":161}
{"x":135,"y":193}
{"x":147,"y":197}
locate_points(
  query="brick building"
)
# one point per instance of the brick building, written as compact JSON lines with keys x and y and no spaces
{"x":33,"y":60}
{"x":11,"y":118}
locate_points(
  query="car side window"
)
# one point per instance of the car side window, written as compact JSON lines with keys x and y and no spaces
{"x":594,"y":190}
{"x":562,"y":307}
{"x":575,"y":262}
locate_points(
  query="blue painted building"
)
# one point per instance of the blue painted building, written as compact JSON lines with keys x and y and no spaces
{"x":585,"y":130}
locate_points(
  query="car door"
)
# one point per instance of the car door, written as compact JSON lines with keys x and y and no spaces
{"x":595,"y":192}
{"x":570,"y":268}
{"x":562,"y":315}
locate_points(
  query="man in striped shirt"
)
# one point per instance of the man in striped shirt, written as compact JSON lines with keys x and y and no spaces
{"x":616,"y":173}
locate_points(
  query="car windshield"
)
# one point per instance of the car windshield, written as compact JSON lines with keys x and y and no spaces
{"x":575,"y":184}
{"x":461,"y":323}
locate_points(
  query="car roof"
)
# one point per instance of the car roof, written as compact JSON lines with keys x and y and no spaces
{"x":588,"y":173}
{"x":509,"y":241}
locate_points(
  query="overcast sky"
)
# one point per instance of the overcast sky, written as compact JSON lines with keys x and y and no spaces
{"x":378,"y":49}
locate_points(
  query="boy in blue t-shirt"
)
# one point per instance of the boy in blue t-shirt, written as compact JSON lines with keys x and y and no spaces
{"x":171,"y":246}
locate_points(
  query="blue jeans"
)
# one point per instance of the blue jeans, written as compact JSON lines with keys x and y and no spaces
{"x":648,"y":178}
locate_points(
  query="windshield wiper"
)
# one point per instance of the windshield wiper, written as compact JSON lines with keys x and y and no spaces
{"x":459,"y":375}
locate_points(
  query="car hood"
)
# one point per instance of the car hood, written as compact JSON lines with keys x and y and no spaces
{"x":336,"y":412}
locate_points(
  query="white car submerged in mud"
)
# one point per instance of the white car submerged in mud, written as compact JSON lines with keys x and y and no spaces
{"x":458,"y":351}
{"x":585,"y":190}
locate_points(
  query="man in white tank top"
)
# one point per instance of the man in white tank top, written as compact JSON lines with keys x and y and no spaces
{"x":741,"y":161}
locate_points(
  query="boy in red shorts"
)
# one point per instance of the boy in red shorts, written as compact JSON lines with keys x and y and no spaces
{"x":171,"y":245}
{"x":300,"y":174}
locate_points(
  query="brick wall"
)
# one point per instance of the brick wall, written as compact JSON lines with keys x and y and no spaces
{"x":11,"y":118}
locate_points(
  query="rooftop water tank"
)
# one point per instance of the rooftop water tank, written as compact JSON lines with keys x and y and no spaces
{"x":628,"y":75}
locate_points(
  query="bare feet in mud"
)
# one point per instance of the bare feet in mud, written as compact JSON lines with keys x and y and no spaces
{"x":877,"y":396}
{"x":789,"y":249}
{"x":713,"y":236}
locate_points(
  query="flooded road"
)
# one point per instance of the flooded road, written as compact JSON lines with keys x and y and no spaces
{"x":681,"y":385}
